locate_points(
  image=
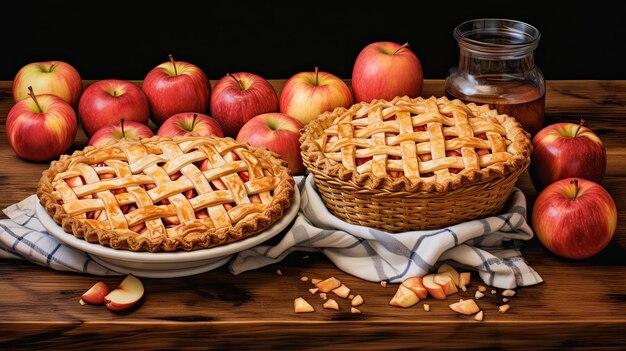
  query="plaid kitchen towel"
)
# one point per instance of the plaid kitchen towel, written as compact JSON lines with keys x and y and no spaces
{"x":489,"y":246}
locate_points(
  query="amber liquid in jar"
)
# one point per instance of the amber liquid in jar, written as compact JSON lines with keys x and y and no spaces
{"x":523,"y":102}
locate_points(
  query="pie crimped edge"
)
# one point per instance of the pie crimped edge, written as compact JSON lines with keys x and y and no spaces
{"x":314,"y":157}
{"x":196,"y":235}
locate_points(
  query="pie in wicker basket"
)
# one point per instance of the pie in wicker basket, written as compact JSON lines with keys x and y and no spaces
{"x":411,"y":164}
{"x":164,"y":194}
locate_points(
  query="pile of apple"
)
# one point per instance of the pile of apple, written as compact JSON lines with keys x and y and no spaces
{"x":573,"y":216}
{"x":176,"y":96}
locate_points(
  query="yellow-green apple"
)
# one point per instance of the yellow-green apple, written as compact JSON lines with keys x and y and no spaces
{"x":574,"y":218}
{"x":42,"y":127}
{"x":126,"y":295}
{"x":240,"y":96}
{"x":95,"y":295}
{"x":308,"y":94}
{"x":174,"y":87}
{"x":190,"y":124}
{"x":384,"y":70}
{"x":277,"y":132}
{"x":122,"y":130}
{"x":565,"y":150}
{"x":103,"y":103}
{"x":50,"y":77}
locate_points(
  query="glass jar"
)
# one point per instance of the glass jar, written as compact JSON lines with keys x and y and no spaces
{"x":497,"y":67}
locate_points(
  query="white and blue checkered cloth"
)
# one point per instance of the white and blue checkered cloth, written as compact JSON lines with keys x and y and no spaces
{"x":489,"y":246}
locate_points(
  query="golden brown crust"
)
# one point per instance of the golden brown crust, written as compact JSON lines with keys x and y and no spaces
{"x":194,"y":235}
{"x":316,"y":160}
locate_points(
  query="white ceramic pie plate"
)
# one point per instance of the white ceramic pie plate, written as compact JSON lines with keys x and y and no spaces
{"x":166,"y":264}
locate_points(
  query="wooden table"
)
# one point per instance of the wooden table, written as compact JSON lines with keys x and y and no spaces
{"x":582,"y":304}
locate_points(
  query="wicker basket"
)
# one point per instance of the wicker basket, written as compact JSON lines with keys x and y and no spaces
{"x":399,"y":211}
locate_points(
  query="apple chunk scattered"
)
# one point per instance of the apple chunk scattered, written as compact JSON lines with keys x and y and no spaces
{"x":328,"y":285}
{"x":447,"y":283}
{"x":464,"y":278}
{"x":125,"y":295}
{"x":404,"y":297}
{"x":466,"y":307}
{"x":300,"y":305}
{"x":454,"y":274}
{"x":95,"y":295}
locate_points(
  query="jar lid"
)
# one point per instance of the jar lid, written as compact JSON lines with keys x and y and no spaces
{"x":497,"y":37}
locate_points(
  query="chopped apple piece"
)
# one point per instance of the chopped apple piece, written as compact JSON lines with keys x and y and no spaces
{"x":331,"y":304}
{"x":503,"y":308}
{"x":482,"y":288}
{"x":328,"y":284}
{"x":357,"y":301}
{"x":493,"y":291}
{"x":466,"y":307}
{"x":95,"y":295}
{"x":300,"y":305}
{"x":435,"y":290}
{"x":323,"y":296}
{"x":383,"y":283}
{"x":304,"y":279}
{"x":453,"y":273}
{"x":415,"y":284}
{"x":354,"y":310}
{"x":342,"y":291}
{"x":279,"y":272}
{"x":81,"y":302}
{"x":350,"y":297}
{"x":508,"y":293}
{"x":446,"y":282}
{"x":505,"y":300}
{"x":426,"y":307}
{"x":463,"y":288}
{"x":313,"y":291}
{"x":125,"y":295}
{"x":478,"y":316}
{"x":404,"y":297}
{"x":478,"y":295}
{"x":464,"y":278}
{"x":315,"y":281}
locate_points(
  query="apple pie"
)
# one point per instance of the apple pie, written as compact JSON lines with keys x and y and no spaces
{"x":388,"y":153}
{"x":167,"y":194}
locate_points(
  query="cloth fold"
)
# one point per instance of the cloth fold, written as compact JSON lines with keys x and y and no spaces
{"x":489,"y":246}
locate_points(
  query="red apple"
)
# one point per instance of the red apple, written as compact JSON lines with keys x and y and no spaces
{"x":126,"y":295}
{"x":565,"y":150}
{"x":574,"y":218}
{"x":122,"y":130}
{"x":279,"y":133}
{"x":105,"y":101}
{"x":384,"y":70}
{"x":174,"y":87}
{"x":192,"y":124}
{"x":41,"y":128}
{"x":306,"y":95}
{"x":50,"y":77}
{"x":240,"y":96}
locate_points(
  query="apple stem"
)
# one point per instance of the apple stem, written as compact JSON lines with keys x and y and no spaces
{"x":193,"y":123}
{"x":316,"y":75}
{"x":575,"y":182}
{"x":51,"y":67}
{"x":173,"y":63}
{"x":122,"y":124}
{"x":405,"y":45}
{"x":239,"y":84}
{"x":582,"y":121}
{"x":32,"y":95}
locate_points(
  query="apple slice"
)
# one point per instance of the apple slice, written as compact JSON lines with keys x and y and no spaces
{"x":447,"y":283}
{"x":453,"y":273}
{"x":478,"y":316}
{"x":466,"y":307}
{"x":125,"y":295}
{"x":435,"y":290}
{"x":354,"y":310}
{"x":331,"y":305}
{"x":300,"y":305}
{"x":464,"y":278}
{"x":404,"y":297}
{"x":342,"y":291}
{"x":95,"y":295}
{"x":415,"y":284}
{"x":357,"y":301}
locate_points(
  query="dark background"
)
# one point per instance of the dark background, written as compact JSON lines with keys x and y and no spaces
{"x":125,"y":39}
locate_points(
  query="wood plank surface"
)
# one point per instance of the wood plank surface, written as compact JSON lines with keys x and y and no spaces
{"x":582,"y":304}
